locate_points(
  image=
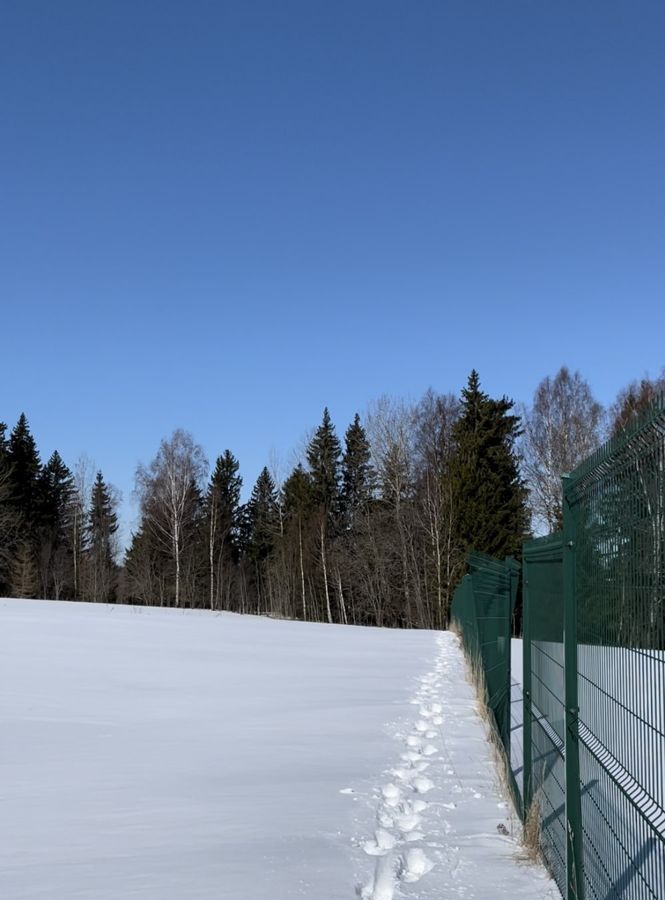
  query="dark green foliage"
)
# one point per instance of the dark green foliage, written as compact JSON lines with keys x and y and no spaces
{"x":357,"y":472}
{"x":490,"y":498}
{"x":223,"y":506}
{"x":323,"y":454}
{"x":4,"y":446}
{"x":55,"y":493}
{"x":54,"y":517}
{"x":147,"y":570}
{"x":8,"y":515}
{"x":298,"y":494}
{"x":101,"y":529}
{"x":25,"y":466}
{"x":262,"y":517}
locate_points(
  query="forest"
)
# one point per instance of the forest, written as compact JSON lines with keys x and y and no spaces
{"x":369,"y":528}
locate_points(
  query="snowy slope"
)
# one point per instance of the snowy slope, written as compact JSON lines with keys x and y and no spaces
{"x":169,"y":755}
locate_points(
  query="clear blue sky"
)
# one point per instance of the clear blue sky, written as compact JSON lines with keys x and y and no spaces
{"x":222,"y":216}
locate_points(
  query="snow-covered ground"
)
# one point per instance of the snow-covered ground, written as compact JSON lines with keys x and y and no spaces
{"x":170,"y":755}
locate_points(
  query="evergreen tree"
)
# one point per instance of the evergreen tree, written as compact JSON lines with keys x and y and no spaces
{"x":55,"y":492}
{"x":7,"y":515}
{"x":54,"y":509}
{"x":323,"y":454}
{"x":262,"y":517}
{"x":101,"y":528}
{"x":223,"y":525}
{"x":25,"y":466}
{"x":298,"y":494}
{"x":357,"y":471}
{"x":489,"y":495}
{"x":223,"y":502}
{"x":4,"y":445}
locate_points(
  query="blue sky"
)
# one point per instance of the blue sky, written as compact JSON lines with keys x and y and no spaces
{"x":223,"y":216}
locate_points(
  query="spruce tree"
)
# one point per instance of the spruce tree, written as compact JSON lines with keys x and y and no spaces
{"x":55,"y":493}
{"x":489,"y":495}
{"x":223,"y":525}
{"x":54,"y":513}
{"x":25,"y":467}
{"x":262,"y":517}
{"x":223,"y":502}
{"x":298,"y":494}
{"x":323,"y":455}
{"x":357,"y":471}
{"x":4,"y":445}
{"x":7,"y":515}
{"x":101,"y":528}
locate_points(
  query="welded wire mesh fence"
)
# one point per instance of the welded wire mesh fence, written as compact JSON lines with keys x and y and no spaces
{"x":593,"y":670}
{"x":482,"y":610}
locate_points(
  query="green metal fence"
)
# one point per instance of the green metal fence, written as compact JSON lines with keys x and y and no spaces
{"x":543,"y":686}
{"x":483,"y":606}
{"x":594,"y":672}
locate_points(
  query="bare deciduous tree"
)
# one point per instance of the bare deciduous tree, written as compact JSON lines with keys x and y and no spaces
{"x":169,"y":493}
{"x":563,"y":426}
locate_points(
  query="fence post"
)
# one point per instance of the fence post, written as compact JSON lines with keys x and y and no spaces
{"x":574,"y":860}
{"x":527,"y":789}
{"x":512,"y":570}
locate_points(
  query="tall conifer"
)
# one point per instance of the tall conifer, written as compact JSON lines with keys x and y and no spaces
{"x":357,"y":471}
{"x":102,"y":526}
{"x":323,"y":455}
{"x":490,"y":497}
{"x":25,"y":466}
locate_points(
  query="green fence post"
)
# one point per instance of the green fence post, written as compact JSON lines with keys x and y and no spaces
{"x":527,"y":789}
{"x":512,"y":570}
{"x":574,"y":860}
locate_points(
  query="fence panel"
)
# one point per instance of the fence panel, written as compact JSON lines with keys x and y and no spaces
{"x":616,"y":502}
{"x":543,"y":686}
{"x":483,"y":606}
{"x":593,"y":670}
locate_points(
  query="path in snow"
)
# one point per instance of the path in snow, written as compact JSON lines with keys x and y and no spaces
{"x":441,"y":818}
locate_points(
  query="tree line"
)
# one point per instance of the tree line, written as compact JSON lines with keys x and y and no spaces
{"x":372,"y":527}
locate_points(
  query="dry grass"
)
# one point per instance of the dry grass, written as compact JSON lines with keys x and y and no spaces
{"x":531,"y":843}
{"x":529,"y":832}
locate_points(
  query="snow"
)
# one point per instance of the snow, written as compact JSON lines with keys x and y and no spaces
{"x":175,"y":755}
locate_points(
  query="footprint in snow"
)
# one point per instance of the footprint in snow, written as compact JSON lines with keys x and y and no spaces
{"x":391,"y":794}
{"x":383,"y":842}
{"x":422,"y":784}
{"x":414,"y":865}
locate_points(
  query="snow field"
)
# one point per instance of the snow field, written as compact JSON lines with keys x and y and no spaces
{"x":175,"y":755}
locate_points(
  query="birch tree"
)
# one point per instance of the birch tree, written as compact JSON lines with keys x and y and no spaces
{"x":169,"y":491}
{"x":563,"y":427}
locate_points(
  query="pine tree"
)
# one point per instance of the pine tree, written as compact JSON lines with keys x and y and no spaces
{"x":101,"y":528}
{"x":222,"y":511}
{"x":357,"y":472}
{"x":489,"y":495}
{"x":323,"y":454}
